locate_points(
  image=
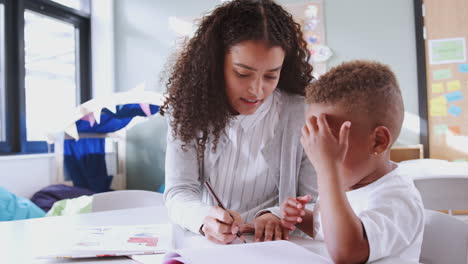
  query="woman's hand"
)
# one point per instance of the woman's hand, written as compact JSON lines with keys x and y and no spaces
{"x":268,"y":227}
{"x":322,"y":148}
{"x":293,"y":211}
{"x":220,"y":226}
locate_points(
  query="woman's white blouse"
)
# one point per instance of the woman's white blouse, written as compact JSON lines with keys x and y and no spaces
{"x":259,"y":162}
{"x":239,"y":173}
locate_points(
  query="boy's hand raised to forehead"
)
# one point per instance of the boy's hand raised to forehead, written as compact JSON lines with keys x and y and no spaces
{"x":322,"y":148}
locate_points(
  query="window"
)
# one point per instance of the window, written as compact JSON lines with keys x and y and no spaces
{"x":82,"y":5}
{"x":48,"y":71}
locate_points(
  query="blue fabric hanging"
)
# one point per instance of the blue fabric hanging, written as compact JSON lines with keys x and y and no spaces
{"x":84,"y":159}
{"x":111,"y":122}
{"x":85,"y":163}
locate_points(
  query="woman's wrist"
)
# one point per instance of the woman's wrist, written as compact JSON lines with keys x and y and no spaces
{"x":262,"y":213}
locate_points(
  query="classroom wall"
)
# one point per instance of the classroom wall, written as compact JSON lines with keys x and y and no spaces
{"x":382,"y":31}
{"x":143,"y":41}
{"x":26,"y":174}
{"x":369,"y":29}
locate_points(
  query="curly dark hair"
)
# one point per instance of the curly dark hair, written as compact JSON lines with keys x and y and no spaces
{"x":197,"y":99}
{"x":367,"y":87}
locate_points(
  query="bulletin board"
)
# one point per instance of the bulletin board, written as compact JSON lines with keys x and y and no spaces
{"x":445,"y":39}
{"x":311,"y":16}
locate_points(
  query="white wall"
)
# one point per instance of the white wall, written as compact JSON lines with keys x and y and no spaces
{"x":382,"y":31}
{"x":102,"y":47}
{"x":143,"y":42}
{"x":24,"y":175}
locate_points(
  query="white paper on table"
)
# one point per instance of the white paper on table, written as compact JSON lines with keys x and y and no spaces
{"x":96,"y":241}
{"x":149,"y":259}
{"x":271,"y":252}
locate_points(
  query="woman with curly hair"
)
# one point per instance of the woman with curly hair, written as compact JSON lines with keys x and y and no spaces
{"x":236,"y":106}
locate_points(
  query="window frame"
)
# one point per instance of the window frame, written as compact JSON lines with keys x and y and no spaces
{"x":421,"y":72}
{"x":2,"y":79}
{"x":15,"y":107}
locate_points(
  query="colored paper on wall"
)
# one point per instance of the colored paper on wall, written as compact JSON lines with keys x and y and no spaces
{"x":451,"y":50}
{"x":453,"y":86}
{"x":438,"y":110}
{"x":454,"y":96}
{"x":438,"y":106}
{"x":438,"y":87}
{"x":454,"y":110}
{"x":463,"y":68}
{"x":439,"y":100}
{"x":455,"y":130}
{"x":440,"y":129}
{"x":442,"y":74}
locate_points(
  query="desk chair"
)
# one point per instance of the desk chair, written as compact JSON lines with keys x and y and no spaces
{"x":443,"y":192}
{"x":124,"y":199}
{"x":445,"y":239}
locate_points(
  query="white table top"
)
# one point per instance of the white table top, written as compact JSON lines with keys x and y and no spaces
{"x":22,"y":241}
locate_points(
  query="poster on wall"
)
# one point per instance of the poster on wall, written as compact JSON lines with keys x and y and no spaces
{"x":449,"y":50}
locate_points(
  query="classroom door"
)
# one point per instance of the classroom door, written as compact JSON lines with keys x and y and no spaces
{"x":446,"y":35}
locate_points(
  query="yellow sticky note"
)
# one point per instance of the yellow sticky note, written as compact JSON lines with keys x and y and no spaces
{"x":438,"y":110}
{"x":438,"y":106}
{"x":453,"y":86}
{"x":437,"y":87}
{"x":439,"y":100}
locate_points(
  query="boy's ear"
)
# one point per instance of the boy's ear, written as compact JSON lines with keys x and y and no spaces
{"x":382,"y":139}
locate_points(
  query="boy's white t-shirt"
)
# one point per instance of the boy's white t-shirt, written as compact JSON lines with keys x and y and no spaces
{"x":392,"y":213}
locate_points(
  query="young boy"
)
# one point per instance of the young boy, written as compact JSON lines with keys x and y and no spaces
{"x":367,"y":207}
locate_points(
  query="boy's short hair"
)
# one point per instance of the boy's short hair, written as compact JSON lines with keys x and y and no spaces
{"x":367,"y":87}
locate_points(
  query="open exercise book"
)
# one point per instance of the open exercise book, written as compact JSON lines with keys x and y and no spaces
{"x":264,"y":252}
{"x":103,"y":241}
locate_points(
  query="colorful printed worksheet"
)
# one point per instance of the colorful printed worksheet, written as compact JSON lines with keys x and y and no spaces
{"x":105,"y":241}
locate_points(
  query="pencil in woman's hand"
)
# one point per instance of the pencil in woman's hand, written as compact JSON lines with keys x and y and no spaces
{"x":213,"y":194}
